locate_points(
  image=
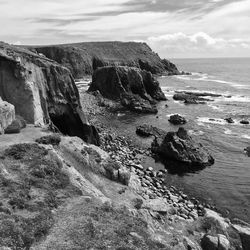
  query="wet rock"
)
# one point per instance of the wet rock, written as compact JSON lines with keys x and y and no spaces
{"x":245,"y":122}
{"x":190,"y":98}
{"x":229,"y":120}
{"x":247,"y":150}
{"x":136,"y":89}
{"x":179,"y":146}
{"x":177,"y":120}
{"x":148,"y":130}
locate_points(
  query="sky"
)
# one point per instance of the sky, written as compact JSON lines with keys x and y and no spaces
{"x":172,"y":28}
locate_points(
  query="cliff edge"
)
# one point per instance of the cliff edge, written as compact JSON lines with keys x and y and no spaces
{"x":42,"y":92}
{"x":83,"y":58}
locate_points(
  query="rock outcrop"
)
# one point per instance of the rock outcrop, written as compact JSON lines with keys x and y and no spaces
{"x":180,"y":147}
{"x":7,"y":115}
{"x":149,"y":130}
{"x":42,"y":91}
{"x":83,"y":58}
{"x":137,"y":89}
{"x":177,"y":120}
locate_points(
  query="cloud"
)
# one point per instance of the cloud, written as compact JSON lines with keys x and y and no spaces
{"x":198,"y":45}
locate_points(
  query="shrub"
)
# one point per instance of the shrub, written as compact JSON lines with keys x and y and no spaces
{"x":54,"y":140}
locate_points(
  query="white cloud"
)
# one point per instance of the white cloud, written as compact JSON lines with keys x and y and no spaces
{"x":197,"y":45}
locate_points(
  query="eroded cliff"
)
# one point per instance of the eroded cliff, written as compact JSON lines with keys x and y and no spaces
{"x":83,"y":58}
{"x":42,"y":91}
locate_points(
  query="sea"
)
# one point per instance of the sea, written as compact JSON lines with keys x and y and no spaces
{"x":225,"y":184}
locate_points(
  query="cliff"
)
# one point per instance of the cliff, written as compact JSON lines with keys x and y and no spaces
{"x":136,"y":89}
{"x":83,"y":58}
{"x":42,"y":91}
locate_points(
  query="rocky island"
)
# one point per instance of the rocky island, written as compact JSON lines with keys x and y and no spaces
{"x":67,"y":181}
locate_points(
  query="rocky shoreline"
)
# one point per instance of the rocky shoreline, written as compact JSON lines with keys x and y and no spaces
{"x":161,"y":199}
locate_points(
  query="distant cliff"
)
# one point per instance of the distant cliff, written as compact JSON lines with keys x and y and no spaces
{"x":42,"y":91}
{"x":83,"y":58}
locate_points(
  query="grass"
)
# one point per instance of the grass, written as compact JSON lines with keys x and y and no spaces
{"x":31,"y":185}
{"x":54,"y":140}
{"x":108,"y":227}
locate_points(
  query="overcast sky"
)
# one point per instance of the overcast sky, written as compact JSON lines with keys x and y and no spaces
{"x":173,"y":28}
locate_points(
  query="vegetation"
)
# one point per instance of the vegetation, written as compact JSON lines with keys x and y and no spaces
{"x":31,"y":185}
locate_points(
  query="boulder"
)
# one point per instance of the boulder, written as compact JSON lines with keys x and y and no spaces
{"x":13,"y":128}
{"x":229,"y":120}
{"x":149,"y":130}
{"x":180,"y":147}
{"x":136,"y":89}
{"x":177,"y":120}
{"x":191,"y":98}
{"x":245,"y":122}
{"x":209,"y":242}
{"x":244,"y":233}
{"x":7,"y":115}
{"x":159,"y":205}
{"x":247,"y":150}
{"x":43,"y":92}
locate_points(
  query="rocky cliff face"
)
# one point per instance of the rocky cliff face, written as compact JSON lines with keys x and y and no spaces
{"x":42,"y":91}
{"x":137,"y":89}
{"x":83,"y":58}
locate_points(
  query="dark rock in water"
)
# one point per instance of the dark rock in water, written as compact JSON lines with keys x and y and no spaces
{"x":190,"y":98}
{"x":229,"y":120}
{"x":148,"y":130}
{"x":247,"y":150}
{"x":84,"y":58}
{"x":137,"y":104}
{"x":244,"y":122}
{"x":179,"y":146}
{"x":43,"y":92}
{"x":177,"y":120}
{"x":137,"y":89}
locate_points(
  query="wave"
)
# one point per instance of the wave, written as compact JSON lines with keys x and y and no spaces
{"x":245,"y":136}
{"x":196,"y":76}
{"x":218,"y":121}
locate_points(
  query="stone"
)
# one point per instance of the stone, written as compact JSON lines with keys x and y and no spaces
{"x":180,"y":147}
{"x":224,"y":243}
{"x":229,"y":120}
{"x":7,"y":115}
{"x":209,"y":242}
{"x":158,"y":205}
{"x":177,"y":120}
{"x":148,"y":130}
{"x":124,"y":176}
{"x":245,"y":122}
{"x":136,"y":89}
{"x":190,"y":98}
{"x":247,"y":150}
{"x":13,"y":128}
{"x":244,"y":233}
{"x":43,"y":92}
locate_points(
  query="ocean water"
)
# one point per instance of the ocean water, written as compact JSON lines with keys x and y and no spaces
{"x":227,"y":183}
